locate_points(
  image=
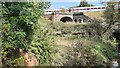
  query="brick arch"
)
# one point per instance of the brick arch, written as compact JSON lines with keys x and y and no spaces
{"x":66,"y":19}
{"x":58,"y":17}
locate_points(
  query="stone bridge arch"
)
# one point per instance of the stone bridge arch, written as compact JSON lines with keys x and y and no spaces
{"x":64,"y":17}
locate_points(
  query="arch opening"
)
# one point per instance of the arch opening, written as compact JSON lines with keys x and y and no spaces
{"x":66,"y":19}
{"x":79,"y":20}
{"x":75,"y":20}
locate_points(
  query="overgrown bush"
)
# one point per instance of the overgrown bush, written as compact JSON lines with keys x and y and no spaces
{"x":88,"y":50}
{"x":42,"y":45}
{"x":20,"y":31}
{"x":90,"y":53}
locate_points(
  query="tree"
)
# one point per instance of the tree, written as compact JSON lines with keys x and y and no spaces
{"x":84,"y":3}
{"x":19,"y":24}
{"x":111,"y":15}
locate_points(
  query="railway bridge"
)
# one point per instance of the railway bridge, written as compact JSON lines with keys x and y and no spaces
{"x":72,"y":14}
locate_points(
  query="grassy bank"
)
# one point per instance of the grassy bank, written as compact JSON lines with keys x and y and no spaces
{"x":75,"y":47}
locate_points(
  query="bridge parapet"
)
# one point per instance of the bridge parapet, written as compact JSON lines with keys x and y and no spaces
{"x":77,"y":9}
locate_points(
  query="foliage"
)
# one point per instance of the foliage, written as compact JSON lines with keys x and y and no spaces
{"x":84,"y":3}
{"x":90,"y":53}
{"x":84,"y":51}
{"x":106,"y":51}
{"x":95,"y":29}
{"x":42,"y":45}
{"x":20,"y":20}
{"x":22,"y":29}
{"x":111,"y":15}
{"x":67,"y":28}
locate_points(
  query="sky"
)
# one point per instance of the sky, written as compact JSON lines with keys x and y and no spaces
{"x":56,"y":5}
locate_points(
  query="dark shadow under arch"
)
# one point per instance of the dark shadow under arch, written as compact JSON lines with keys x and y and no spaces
{"x":66,"y":19}
{"x":116,"y":35}
{"x":79,"y":20}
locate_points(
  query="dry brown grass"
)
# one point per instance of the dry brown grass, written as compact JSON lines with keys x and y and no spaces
{"x":97,"y":15}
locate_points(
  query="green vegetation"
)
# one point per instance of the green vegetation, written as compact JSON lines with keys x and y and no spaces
{"x":25,"y":31}
{"x":80,"y":49}
{"x":111,"y":15}
{"x":20,"y":30}
{"x":84,"y":3}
